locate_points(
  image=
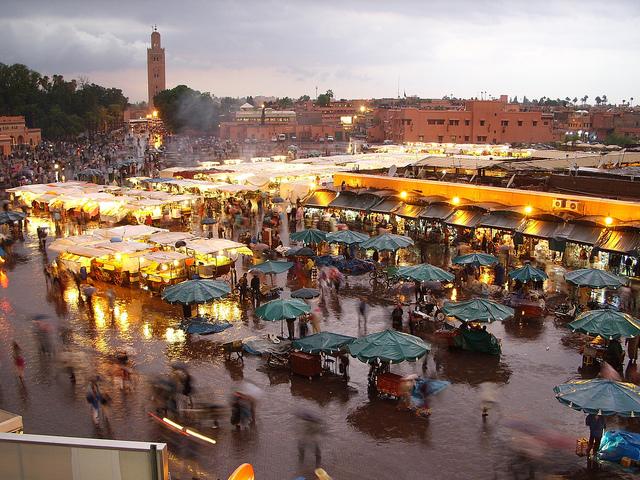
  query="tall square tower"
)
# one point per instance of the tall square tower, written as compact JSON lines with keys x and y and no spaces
{"x":155,"y":67}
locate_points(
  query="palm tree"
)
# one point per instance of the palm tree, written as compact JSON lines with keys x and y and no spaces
{"x":598,"y":100}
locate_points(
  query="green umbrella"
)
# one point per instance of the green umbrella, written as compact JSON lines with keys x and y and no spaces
{"x":10,"y":216}
{"x":600,"y":397}
{"x":306,"y":293}
{"x":387,"y":242}
{"x":309,"y":236}
{"x":478,"y":310}
{"x":591,"y":277}
{"x":272,"y":267}
{"x":388,"y":346}
{"x":606,"y":323}
{"x":323,"y":342}
{"x":196,"y":291}
{"x":346,"y":237}
{"x":282,"y":309}
{"x":477,"y":259}
{"x":527,"y":274}
{"x":425,"y":273}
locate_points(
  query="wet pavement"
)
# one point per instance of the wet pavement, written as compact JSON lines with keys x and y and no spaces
{"x":365,"y":439}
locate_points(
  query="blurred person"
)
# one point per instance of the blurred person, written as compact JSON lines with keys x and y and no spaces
{"x":316,"y":315}
{"x":396,"y":317}
{"x":311,"y":430}
{"x":362,"y":310}
{"x":96,"y":400}
{"x":291,"y":328}
{"x":18,"y":361}
{"x":255,"y":289}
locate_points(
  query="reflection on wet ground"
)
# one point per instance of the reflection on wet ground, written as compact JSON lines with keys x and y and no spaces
{"x":366,"y":438}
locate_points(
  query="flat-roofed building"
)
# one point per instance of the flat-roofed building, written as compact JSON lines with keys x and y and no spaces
{"x":14,"y":133}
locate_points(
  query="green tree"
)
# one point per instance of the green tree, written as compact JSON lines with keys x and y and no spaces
{"x":324,"y":99}
{"x":304,"y":98}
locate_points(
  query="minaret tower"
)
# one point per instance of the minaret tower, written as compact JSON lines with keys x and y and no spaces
{"x":155,"y":67}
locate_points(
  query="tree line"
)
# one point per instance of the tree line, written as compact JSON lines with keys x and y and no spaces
{"x":63,"y":109}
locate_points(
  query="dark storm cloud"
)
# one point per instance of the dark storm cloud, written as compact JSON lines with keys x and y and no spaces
{"x":357,"y":47}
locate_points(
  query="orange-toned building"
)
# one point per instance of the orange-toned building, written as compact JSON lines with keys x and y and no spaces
{"x":15,"y":133}
{"x":307,"y":122}
{"x":480,"y":121}
{"x":625,"y":123}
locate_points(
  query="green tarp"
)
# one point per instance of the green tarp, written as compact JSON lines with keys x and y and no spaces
{"x":478,"y":341}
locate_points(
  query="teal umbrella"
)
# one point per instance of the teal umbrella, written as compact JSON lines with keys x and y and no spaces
{"x":600,"y":397}
{"x":272,"y":267}
{"x":309,"y":236}
{"x":388,"y":346}
{"x":476,"y":259}
{"x":387,"y":242}
{"x":425,"y":273}
{"x":606,"y":323}
{"x":282,"y":309}
{"x":323,"y":342}
{"x":527,"y":274}
{"x":478,"y":310}
{"x":591,"y":277}
{"x":306,"y":293}
{"x":196,"y":291}
{"x":346,"y":237}
{"x":10,"y":216}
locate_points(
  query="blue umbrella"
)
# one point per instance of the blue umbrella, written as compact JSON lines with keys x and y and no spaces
{"x":271,"y":266}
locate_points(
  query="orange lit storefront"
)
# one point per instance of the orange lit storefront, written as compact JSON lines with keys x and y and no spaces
{"x":580,"y":231}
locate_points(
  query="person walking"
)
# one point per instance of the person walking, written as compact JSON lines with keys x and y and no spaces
{"x":396,"y":317}
{"x":312,"y":428}
{"x":362,"y":310}
{"x":291,"y":328}
{"x":243,"y":287}
{"x":95,"y":400}
{"x":596,"y":424}
{"x":255,"y":289}
{"x":315,"y":319}
{"x":18,"y":361}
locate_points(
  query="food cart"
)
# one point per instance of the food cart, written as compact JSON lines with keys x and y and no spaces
{"x":215,"y":257}
{"x":160,"y":269}
{"x":121,"y":265}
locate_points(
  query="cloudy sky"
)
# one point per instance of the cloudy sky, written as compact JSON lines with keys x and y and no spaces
{"x":358,"y":48}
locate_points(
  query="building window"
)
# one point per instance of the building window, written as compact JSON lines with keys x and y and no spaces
{"x":440,"y":139}
{"x":435,"y":121}
{"x":481,"y":138}
{"x":467,"y":123}
{"x":454,"y":138}
{"x":482,"y":123}
{"x":535,"y":123}
{"x":519,"y":123}
{"x":454,"y":122}
{"x":466,"y":137}
{"x":545,"y":123}
{"x":421,"y":138}
{"x":504,"y":123}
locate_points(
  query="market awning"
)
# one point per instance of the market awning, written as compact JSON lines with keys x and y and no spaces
{"x":409,"y":211}
{"x":437,"y":212}
{"x":388,"y":205}
{"x":501,"y":221}
{"x":465,"y":218}
{"x":582,"y":234}
{"x":320,"y":198}
{"x":352,"y":201}
{"x":620,"y":242}
{"x":538,"y":228}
